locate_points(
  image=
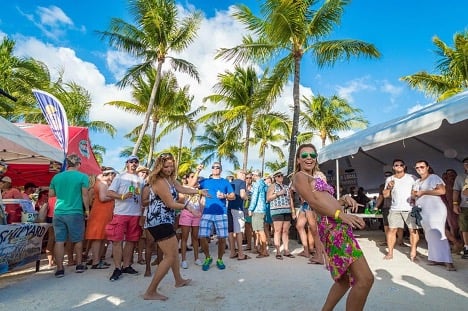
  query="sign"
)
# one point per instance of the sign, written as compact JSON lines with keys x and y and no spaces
{"x":20,"y":244}
{"x":346,"y":180}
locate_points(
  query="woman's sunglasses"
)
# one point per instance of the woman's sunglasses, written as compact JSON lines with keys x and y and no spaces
{"x":305,"y":155}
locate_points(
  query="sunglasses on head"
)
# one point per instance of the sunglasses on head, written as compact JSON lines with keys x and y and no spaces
{"x":166,"y":155}
{"x":305,"y":155}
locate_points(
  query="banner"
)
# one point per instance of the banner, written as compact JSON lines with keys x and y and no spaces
{"x":20,"y":244}
{"x":55,"y":115}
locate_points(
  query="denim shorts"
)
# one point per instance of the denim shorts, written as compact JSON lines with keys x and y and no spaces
{"x":69,"y":227}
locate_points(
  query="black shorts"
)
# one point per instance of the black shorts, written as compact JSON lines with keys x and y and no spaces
{"x":282,"y":217}
{"x":385,"y":212}
{"x":162,"y":232}
{"x":230,"y":222}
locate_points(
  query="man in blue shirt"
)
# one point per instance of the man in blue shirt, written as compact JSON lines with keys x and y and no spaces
{"x":215,"y":214}
{"x":257,"y":210}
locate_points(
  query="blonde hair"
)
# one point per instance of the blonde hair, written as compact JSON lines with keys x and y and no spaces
{"x":156,"y":172}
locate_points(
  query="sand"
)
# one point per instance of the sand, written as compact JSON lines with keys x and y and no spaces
{"x":255,"y":284}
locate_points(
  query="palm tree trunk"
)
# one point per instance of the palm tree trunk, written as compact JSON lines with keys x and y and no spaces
{"x":263,"y":164}
{"x":149,"y":111}
{"x":246,"y":145}
{"x":181,"y":137}
{"x":295,"y":120}
{"x":152,"y":145}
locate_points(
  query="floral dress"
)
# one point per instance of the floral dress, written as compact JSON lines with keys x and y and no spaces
{"x":338,"y":240}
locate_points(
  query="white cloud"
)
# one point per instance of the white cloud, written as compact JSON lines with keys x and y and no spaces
{"x":354,"y":86}
{"x":53,"y":16}
{"x":52,"y":21}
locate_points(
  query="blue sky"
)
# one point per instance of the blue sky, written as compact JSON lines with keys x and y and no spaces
{"x":63,"y":35}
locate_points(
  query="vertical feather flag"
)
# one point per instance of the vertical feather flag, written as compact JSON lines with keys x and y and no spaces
{"x":55,"y":116}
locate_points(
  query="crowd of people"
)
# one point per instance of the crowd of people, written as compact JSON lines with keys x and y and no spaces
{"x":154,"y":211}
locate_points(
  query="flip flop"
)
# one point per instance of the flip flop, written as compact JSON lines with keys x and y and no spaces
{"x":279,"y":257}
{"x":289,"y":255}
{"x":314,"y":262}
{"x":245,"y":258}
{"x":232,"y":257}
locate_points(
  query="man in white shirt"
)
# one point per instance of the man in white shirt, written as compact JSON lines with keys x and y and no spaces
{"x":399,"y":187}
{"x":126,"y":189}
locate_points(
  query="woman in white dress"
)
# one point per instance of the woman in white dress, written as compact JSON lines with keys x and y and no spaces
{"x":427,"y":191}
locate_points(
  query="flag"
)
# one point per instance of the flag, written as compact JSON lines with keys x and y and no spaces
{"x":55,"y":116}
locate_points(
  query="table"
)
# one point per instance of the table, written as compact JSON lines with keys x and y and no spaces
{"x":21,"y":244}
{"x":373,"y":221}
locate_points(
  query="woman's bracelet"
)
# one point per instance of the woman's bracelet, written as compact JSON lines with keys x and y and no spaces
{"x":199,"y":192}
{"x":337,"y":214}
{"x":122,"y":197}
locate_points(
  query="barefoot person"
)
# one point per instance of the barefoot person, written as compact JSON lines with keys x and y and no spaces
{"x":160,"y":221}
{"x":347,"y":263}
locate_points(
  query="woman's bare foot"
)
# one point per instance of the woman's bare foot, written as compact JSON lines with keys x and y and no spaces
{"x":154,"y":296}
{"x":183,"y":282}
{"x":388,"y":257}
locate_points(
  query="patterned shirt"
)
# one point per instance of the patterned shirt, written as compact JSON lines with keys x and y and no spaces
{"x":158,"y":212}
{"x":281,"y":204}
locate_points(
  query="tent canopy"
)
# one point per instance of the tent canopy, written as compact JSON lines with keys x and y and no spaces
{"x":20,"y":147}
{"x":29,"y":149}
{"x":435,"y":133}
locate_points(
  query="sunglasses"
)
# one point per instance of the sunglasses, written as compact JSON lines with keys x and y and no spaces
{"x":420,"y":167}
{"x":133,"y":161}
{"x":248,"y":177}
{"x":279,"y":175}
{"x":216,"y":167}
{"x":304,"y":155}
{"x":166,"y":155}
{"x":396,"y":165}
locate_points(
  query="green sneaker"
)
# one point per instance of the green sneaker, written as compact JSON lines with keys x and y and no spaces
{"x":220,"y":264}
{"x":207,"y":263}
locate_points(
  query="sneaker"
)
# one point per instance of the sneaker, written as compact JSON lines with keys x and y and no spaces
{"x":207,"y":263}
{"x":115,"y":275}
{"x":80,"y":268}
{"x":184,"y":264}
{"x":465,"y":254}
{"x":129,"y":270}
{"x":59,"y":273}
{"x":198,"y":262}
{"x":220,"y":264}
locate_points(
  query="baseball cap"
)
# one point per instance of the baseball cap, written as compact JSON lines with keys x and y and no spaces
{"x":6,"y":179}
{"x":132,"y":158}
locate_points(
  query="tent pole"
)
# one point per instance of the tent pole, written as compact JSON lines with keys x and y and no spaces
{"x":337,"y":178}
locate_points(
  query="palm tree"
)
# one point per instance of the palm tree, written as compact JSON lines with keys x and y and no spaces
{"x":182,"y":118}
{"x":189,"y":159}
{"x":326,"y":116}
{"x":142,"y":151}
{"x":157,"y":32}
{"x":276,"y":165}
{"x":168,"y":102}
{"x":286,"y":31}
{"x":18,"y":76}
{"x":240,"y":91}
{"x":452,"y":67}
{"x":269,"y":130}
{"x":218,"y":143}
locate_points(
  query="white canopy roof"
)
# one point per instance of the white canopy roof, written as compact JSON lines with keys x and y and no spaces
{"x":20,"y":147}
{"x":437,"y":133}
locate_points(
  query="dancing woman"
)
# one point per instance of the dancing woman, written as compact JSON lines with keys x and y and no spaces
{"x":347,"y":264}
{"x":160,"y":219}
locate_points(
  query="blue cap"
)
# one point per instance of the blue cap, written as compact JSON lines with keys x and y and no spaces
{"x":132,"y":158}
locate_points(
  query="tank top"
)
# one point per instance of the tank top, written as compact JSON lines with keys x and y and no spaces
{"x":158,"y":212}
{"x":280,"y":205}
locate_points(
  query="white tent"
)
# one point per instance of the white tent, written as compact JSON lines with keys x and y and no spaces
{"x":19,"y":147}
{"x":437,"y":133}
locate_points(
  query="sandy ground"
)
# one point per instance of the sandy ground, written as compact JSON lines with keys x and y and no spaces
{"x":255,"y":284}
